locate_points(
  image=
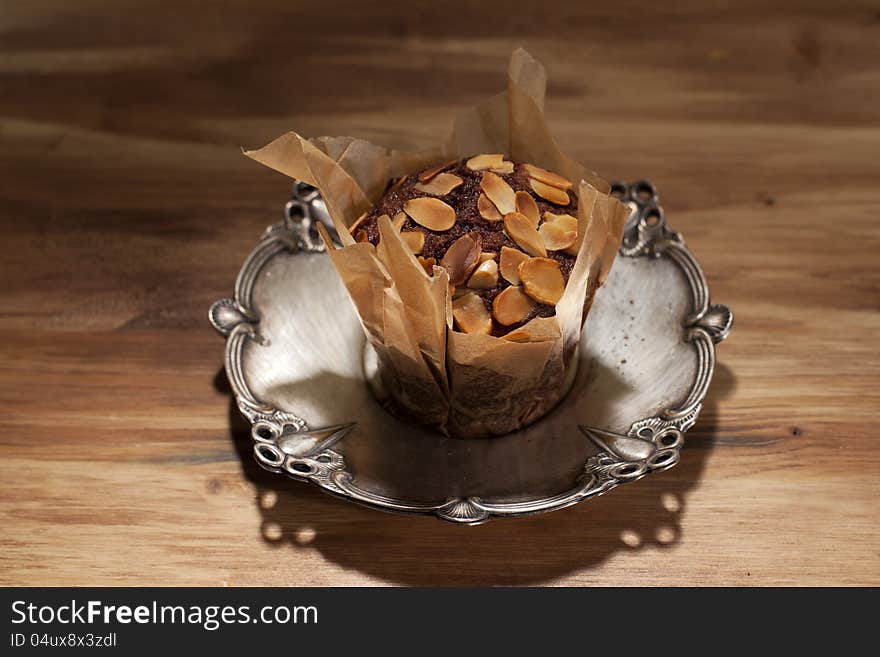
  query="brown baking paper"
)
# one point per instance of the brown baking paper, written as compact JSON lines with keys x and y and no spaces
{"x":461,"y":384}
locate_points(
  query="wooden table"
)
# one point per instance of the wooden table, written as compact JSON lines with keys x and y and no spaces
{"x":126,"y":209}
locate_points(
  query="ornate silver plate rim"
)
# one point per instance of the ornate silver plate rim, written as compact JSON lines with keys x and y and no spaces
{"x":651,"y":445}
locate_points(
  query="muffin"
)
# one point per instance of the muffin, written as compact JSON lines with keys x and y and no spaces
{"x":504,"y":232}
{"x":471,"y":265}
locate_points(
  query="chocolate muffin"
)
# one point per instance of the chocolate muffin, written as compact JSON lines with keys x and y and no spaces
{"x":505,"y":232}
{"x":472,"y":278}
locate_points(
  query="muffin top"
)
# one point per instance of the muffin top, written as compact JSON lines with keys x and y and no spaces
{"x":506,"y":233}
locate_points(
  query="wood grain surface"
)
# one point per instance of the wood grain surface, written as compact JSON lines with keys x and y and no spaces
{"x":127,"y":208}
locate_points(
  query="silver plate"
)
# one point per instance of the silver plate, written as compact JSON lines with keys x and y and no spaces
{"x":295,"y":359}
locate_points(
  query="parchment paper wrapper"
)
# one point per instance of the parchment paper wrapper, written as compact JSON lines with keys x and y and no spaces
{"x":465,"y":385}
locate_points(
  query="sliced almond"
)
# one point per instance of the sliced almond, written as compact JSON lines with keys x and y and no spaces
{"x":566,"y":220}
{"x":573,"y":249}
{"x":357,"y":223}
{"x":525,"y":205}
{"x":549,"y":193}
{"x":432,"y":213}
{"x":485,"y":276}
{"x":499,"y":192}
{"x":487,"y":255}
{"x":485,"y":161}
{"x":414,"y":239}
{"x":427,"y":174}
{"x":462,"y":257}
{"x":470,"y":314}
{"x":518,"y":335}
{"x":556,"y":236}
{"x":521,"y":231}
{"x":511,"y":259}
{"x":428,"y":265}
{"x":542,"y":280}
{"x":399,"y":220}
{"x":440,"y":185}
{"x":458,"y":292}
{"x":487,"y":209}
{"x":396,"y":185}
{"x":571,"y":224}
{"x":512,"y":305}
{"x":506,"y":167}
{"x":548,"y":177}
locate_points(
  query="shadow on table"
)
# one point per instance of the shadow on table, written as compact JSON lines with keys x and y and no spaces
{"x":413,"y":550}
